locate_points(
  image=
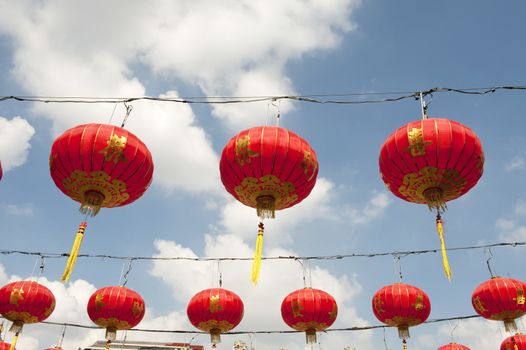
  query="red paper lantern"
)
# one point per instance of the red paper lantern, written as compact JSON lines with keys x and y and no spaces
{"x":1,"y":172}
{"x":401,"y":305}
{"x":115,"y":308}
{"x":453,"y":346}
{"x":216,"y":311}
{"x":268,"y":168}
{"x":500,"y":299}
{"x":25,"y":302}
{"x":309,"y":310}
{"x":432,"y":161}
{"x":515,"y":342}
{"x":99,"y":165}
{"x":5,"y":346}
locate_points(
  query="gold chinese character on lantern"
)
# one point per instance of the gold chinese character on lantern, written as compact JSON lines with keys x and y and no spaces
{"x":114,"y":151}
{"x":215,"y":306}
{"x":416,"y":142}
{"x":243,"y":151}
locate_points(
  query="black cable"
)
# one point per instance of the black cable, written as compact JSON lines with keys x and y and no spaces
{"x":280,"y":257}
{"x":312,"y":98}
{"x":345,"y":329}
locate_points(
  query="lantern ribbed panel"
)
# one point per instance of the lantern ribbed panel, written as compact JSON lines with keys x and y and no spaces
{"x":500,"y":299}
{"x":309,"y":309}
{"x":268,"y":160}
{"x":102,"y":158}
{"x":453,"y":346}
{"x":26,"y":302}
{"x":215,"y":308}
{"x":116,"y":308}
{"x":401,"y":305}
{"x":515,"y":342}
{"x":431,"y":155}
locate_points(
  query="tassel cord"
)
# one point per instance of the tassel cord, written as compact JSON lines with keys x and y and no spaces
{"x":13,"y":343}
{"x":256,"y":264}
{"x":445,"y":261}
{"x":74,"y":252}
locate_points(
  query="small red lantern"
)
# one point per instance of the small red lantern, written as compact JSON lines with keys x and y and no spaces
{"x":115,"y":308}
{"x":1,"y":172}
{"x":515,"y":342}
{"x":432,"y":161}
{"x":25,"y":302}
{"x":99,"y":165}
{"x":500,"y":299}
{"x":453,"y":346}
{"x":401,"y":305}
{"x":4,"y":346}
{"x":268,"y":168}
{"x":216,"y":311}
{"x":309,"y":310}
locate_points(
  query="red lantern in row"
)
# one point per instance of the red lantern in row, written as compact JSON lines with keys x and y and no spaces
{"x":4,"y":346}
{"x":268,"y":168}
{"x":432,"y":161}
{"x":309,"y":310}
{"x":500,"y":299}
{"x":401,"y":305}
{"x":25,"y":302}
{"x":453,"y":346}
{"x":115,"y":308}
{"x":515,"y":342}
{"x":1,"y":172}
{"x":215,"y":311}
{"x":99,"y":165}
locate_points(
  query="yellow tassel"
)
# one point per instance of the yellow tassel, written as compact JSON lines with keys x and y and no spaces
{"x":256,"y":264}
{"x":405,"y":344}
{"x":74,"y":253}
{"x":108,"y":343}
{"x":440,"y":229}
{"x":13,"y":343}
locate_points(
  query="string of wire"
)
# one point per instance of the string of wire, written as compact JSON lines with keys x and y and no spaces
{"x":401,"y":253}
{"x":329,"y":98}
{"x":345,"y":329}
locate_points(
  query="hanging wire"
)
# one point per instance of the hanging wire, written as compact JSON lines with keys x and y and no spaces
{"x":112,"y":113}
{"x":124,"y":339}
{"x":279,"y":257}
{"x":304,"y":271}
{"x":42,"y":265}
{"x":489,"y":257}
{"x":127,"y":274}
{"x":452,"y":330}
{"x":398,"y":267}
{"x":220,"y":273}
{"x":385,"y":340}
{"x":129,"y":109}
{"x":312,"y":98}
{"x":61,"y":339}
{"x":35,"y":266}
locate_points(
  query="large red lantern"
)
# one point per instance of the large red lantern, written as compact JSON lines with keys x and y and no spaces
{"x":515,"y":342}
{"x":25,"y":302}
{"x":268,"y":168}
{"x":453,"y":346}
{"x":500,"y":299}
{"x":432,"y":161}
{"x":99,"y":165}
{"x":401,"y":305}
{"x":216,"y":311}
{"x":309,"y":310}
{"x":115,"y":308}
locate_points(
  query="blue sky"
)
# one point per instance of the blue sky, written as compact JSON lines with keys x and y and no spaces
{"x":238,"y":48}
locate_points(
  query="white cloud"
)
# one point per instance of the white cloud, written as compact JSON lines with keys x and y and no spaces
{"x":373,"y":209}
{"x":18,"y":210}
{"x":15,"y":135}
{"x":517,"y":163}
{"x":511,"y":229}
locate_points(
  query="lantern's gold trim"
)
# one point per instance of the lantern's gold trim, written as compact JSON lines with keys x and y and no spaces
{"x":20,"y":317}
{"x":399,"y":321}
{"x":269,"y":186}
{"x":95,"y":190}
{"x":221,"y":325}
{"x":311,"y":325}
{"x":432,"y":186}
{"x":112,"y":323}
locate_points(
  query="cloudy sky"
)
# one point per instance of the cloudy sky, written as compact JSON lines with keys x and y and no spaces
{"x":200,"y":48}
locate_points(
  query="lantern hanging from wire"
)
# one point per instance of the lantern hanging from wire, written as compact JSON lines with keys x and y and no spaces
{"x":401,"y":305}
{"x":309,"y":310}
{"x":99,"y":166}
{"x":453,"y":346}
{"x":1,"y":171}
{"x":25,"y":302}
{"x":515,"y":342}
{"x":4,"y":346}
{"x":432,"y":161}
{"x":500,"y":299}
{"x":268,"y":168}
{"x":215,"y":310}
{"x":115,"y":308}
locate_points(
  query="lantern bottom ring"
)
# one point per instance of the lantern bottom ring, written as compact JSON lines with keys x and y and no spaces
{"x":215,"y":336}
{"x":310,"y":336}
